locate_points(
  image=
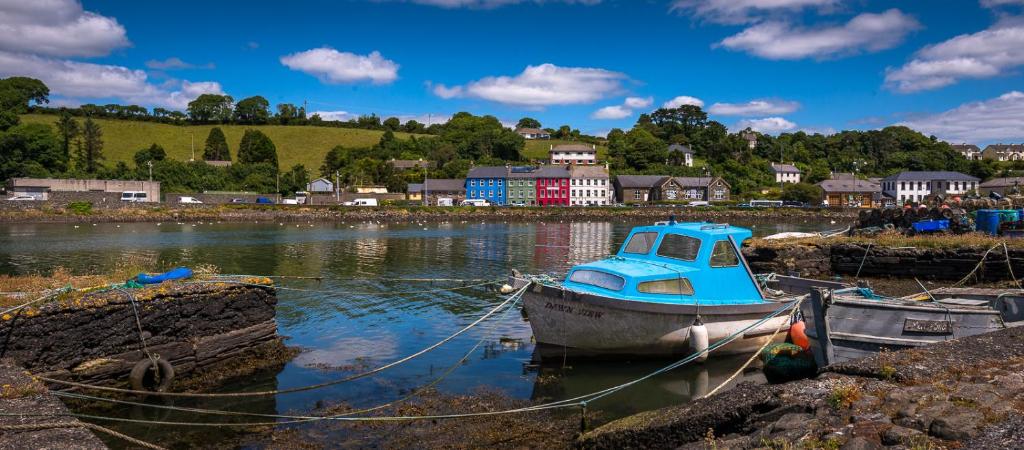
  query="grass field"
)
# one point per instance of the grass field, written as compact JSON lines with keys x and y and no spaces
{"x":538,"y":148}
{"x":295,"y":145}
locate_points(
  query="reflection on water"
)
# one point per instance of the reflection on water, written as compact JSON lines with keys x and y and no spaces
{"x":353,"y":321}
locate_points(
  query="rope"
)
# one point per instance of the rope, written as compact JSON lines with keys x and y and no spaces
{"x":295,"y":389}
{"x":567,"y":403}
{"x":49,"y":295}
{"x":755,"y":355}
{"x":92,"y":426}
{"x":142,"y":335}
{"x":865,"y":258}
{"x":298,"y":277}
{"x":980,"y":263}
{"x":1009,"y":266}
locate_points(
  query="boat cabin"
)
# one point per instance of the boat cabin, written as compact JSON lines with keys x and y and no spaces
{"x":675,"y":263}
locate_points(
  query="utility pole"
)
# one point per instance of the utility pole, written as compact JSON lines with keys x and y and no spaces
{"x":425,"y":191}
{"x":193,"y":134}
{"x":150,"y":164}
{"x":337,"y":186}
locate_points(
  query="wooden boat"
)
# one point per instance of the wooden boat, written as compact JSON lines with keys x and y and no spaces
{"x":853,"y":322}
{"x":665,"y":282}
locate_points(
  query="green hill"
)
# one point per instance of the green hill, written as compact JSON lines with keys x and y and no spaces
{"x":295,"y":144}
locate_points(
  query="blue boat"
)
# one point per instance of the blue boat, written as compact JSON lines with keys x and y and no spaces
{"x":643,"y":301}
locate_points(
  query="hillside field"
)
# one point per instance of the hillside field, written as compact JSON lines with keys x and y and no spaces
{"x":295,"y":144}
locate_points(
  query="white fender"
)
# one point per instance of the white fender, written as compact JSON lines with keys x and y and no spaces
{"x":699,"y":340}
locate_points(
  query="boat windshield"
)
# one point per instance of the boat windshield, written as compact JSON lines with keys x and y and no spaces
{"x":599,"y":279}
{"x":724,"y":255}
{"x":677,"y":246}
{"x":641,"y":243}
{"x":671,"y":286}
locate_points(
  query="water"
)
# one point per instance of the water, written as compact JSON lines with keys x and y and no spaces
{"x":357,"y":323}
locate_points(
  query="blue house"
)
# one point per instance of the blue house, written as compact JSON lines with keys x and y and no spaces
{"x":487,"y":183}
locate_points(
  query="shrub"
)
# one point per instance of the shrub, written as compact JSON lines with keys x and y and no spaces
{"x":80,"y":208}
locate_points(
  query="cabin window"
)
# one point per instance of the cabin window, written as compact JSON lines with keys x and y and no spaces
{"x":673,"y":286}
{"x":677,"y":246}
{"x":641,"y":243}
{"x":724,"y":255}
{"x":599,"y":279}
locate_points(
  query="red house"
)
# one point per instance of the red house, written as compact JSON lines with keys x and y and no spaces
{"x":553,"y":185}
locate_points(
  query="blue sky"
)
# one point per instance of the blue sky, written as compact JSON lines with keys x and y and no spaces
{"x":950,"y":68}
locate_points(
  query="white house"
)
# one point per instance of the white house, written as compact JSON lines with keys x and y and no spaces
{"x":968,"y":151}
{"x":786,"y":173}
{"x":533,"y":133}
{"x":915,"y":186}
{"x":681,"y":154}
{"x":590,"y":186}
{"x":573,"y":154}
{"x":1004,"y":152}
{"x":320,"y":185}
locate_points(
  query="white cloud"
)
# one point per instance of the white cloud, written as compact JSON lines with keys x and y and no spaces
{"x":683,"y":100}
{"x":493,"y":3}
{"x":754,"y":108}
{"x":866,"y":32}
{"x":998,"y":3}
{"x":996,"y":119}
{"x":984,"y":54}
{"x":334,"y":67}
{"x":80,"y":80}
{"x":57,"y":28}
{"x":335,"y":115}
{"x":539,"y":86}
{"x":743,"y":11}
{"x":638,"y":102}
{"x":768,"y":125}
{"x":612,"y":112}
{"x":175,"y":63}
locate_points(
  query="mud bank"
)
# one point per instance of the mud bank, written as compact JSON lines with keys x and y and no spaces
{"x":959,"y":394}
{"x":826,"y":259}
{"x":198,"y":327}
{"x":248,"y":213}
{"x":19,"y":392}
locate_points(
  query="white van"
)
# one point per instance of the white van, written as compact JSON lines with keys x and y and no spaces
{"x":134,"y":196}
{"x":189,"y":200}
{"x":365,"y":202}
{"x":475,"y":202}
{"x":445,"y":201}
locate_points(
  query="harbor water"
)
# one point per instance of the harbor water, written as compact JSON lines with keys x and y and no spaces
{"x":363,"y":314}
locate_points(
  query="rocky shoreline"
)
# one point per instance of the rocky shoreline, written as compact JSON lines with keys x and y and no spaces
{"x":965,"y":393}
{"x":251,"y":213}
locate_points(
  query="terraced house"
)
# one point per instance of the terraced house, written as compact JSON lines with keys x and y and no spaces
{"x":522,"y":186}
{"x":487,"y":183}
{"x":553,"y":185}
{"x":590,"y":186}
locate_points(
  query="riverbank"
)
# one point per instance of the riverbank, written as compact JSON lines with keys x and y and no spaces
{"x":283,"y":213}
{"x":964,"y":393}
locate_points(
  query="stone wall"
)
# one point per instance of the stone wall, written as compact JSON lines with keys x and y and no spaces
{"x":798,"y":260}
{"x":94,"y":338}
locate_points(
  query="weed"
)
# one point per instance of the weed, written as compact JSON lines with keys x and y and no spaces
{"x":844,"y":396}
{"x":709,"y":440}
{"x":776,"y":444}
{"x":80,"y":208}
{"x":819,"y":444}
{"x":887,"y":372}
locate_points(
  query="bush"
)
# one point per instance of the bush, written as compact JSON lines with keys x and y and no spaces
{"x":80,"y":208}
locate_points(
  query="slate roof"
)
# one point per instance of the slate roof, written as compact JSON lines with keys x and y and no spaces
{"x":965,"y":148}
{"x":679,"y":148}
{"x":520,"y":172}
{"x":1003,"y":182}
{"x":488,"y":172}
{"x":849,"y":185}
{"x":640,"y":181}
{"x":1005,"y":148}
{"x":588,"y":172}
{"x":785,"y":168}
{"x":928,"y":176}
{"x":444,"y":185}
{"x":573,"y":148}
{"x":415,"y":187}
{"x":410,"y":163}
{"x":531,"y":131}
{"x":695,"y":181}
{"x":552,"y":172}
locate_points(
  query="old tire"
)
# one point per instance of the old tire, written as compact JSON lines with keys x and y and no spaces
{"x":148,"y":375}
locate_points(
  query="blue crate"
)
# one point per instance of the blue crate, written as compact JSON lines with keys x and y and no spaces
{"x":930,"y":226}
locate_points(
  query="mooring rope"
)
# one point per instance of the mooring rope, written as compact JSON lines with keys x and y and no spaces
{"x":52,"y":293}
{"x":579,"y":401}
{"x":346,"y":293}
{"x":414,"y":393}
{"x":301,"y":388}
{"x":92,"y":426}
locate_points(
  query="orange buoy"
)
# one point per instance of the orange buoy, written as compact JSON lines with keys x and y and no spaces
{"x":797,"y":335}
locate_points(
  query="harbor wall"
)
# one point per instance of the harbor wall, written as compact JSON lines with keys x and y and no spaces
{"x":847,"y":259}
{"x":94,"y":338}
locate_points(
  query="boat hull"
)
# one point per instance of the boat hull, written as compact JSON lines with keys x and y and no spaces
{"x":570,"y":324}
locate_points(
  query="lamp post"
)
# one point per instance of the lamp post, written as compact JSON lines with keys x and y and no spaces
{"x":150,"y":164}
{"x":193,"y":135}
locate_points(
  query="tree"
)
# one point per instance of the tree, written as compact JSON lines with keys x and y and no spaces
{"x":335,"y":160}
{"x":154,"y":153}
{"x":216,"y":148}
{"x":801,"y":192}
{"x":30,"y":150}
{"x":294,"y":180}
{"x":210,"y":108}
{"x":17,"y":92}
{"x":528,"y":122}
{"x":8,"y":119}
{"x":642,"y":150}
{"x":67,"y":130}
{"x":257,"y":148}
{"x":564,"y":132}
{"x":287,"y":112}
{"x":413,"y":126}
{"x":252,"y":110}
{"x":90,"y":151}
{"x":392,"y":124}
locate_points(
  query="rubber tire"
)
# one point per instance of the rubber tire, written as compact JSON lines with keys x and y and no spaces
{"x":138,"y":374}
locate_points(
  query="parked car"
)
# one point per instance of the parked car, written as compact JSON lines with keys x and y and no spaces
{"x":698,"y":203}
{"x":134,"y":196}
{"x":189,"y":201}
{"x":289,"y":201}
{"x":238,"y":200}
{"x":264,"y":201}
{"x":475,"y":202}
{"x":362,"y":202}
{"x":792,"y":204}
{"x":21,"y":198}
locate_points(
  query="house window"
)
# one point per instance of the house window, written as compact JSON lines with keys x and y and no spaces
{"x":903,"y":185}
{"x":542,"y":194}
{"x":490,"y":193}
{"x":490,"y":182}
{"x":636,"y":195}
{"x":956,"y":185}
{"x":499,"y":182}
{"x":719,"y":194}
{"x":472,"y":182}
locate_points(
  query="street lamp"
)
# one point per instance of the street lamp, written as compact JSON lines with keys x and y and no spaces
{"x":193,"y":134}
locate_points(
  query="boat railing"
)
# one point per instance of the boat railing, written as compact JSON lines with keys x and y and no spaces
{"x":714,"y":226}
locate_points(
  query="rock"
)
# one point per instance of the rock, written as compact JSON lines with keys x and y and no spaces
{"x":957,"y":426}
{"x":792,"y":421}
{"x":898,"y":435}
{"x":860,"y":443}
